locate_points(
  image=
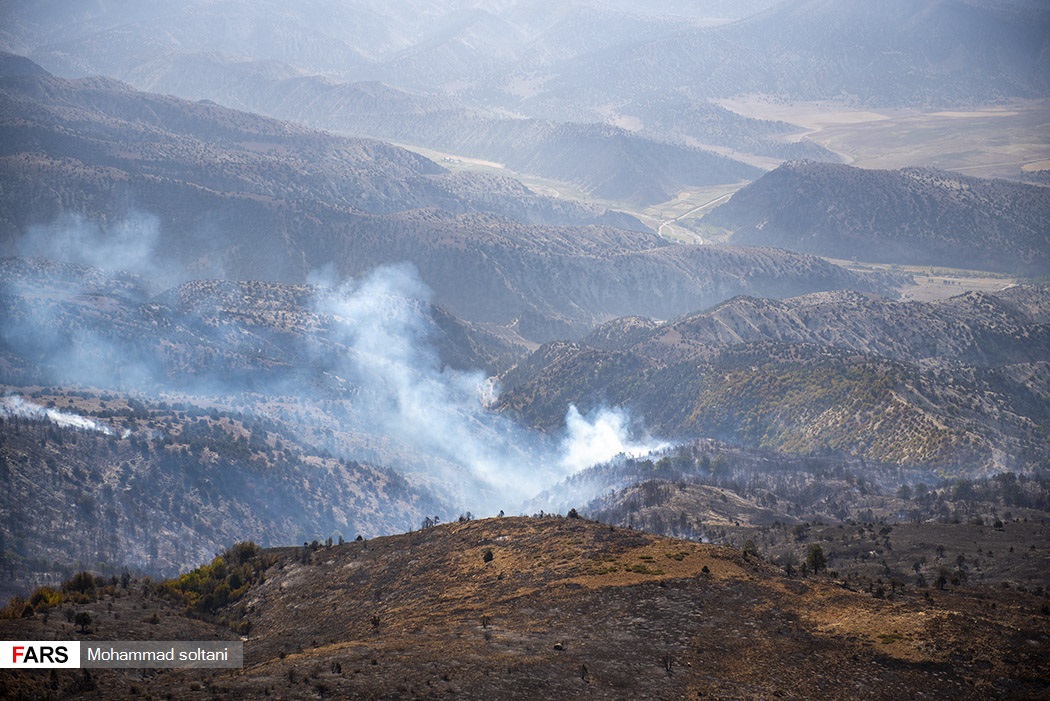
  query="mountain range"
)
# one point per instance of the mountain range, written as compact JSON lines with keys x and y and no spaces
{"x":98,"y":173}
{"x":896,"y":53}
{"x":942,"y":52}
{"x":280,"y":281}
{"x":516,"y":83}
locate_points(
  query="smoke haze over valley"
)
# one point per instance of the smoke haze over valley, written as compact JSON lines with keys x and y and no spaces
{"x":769,"y":276}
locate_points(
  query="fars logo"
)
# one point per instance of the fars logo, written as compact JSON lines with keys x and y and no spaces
{"x":38,"y":654}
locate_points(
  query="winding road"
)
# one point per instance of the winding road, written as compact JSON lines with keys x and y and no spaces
{"x":669,"y":222}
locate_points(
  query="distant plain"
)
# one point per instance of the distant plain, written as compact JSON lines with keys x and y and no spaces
{"x":991,"y":141}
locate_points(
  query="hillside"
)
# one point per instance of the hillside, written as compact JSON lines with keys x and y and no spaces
{"x":67,"y":324}
{"x":602,"y":160}
{"x":259,"y":404}
{"x":915,"y":216}
{"x":570,"y":608}
{"x":878,"y":524}
{"x":106,"y":125}
{"x":959,"y":385}
{"x":120,"y":483}
{"x":1002,"y":328}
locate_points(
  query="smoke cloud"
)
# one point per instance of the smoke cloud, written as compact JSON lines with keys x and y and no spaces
{"x":442,"y":412}
{"x":373,"y":352}
{"x":14,"y":405}
{"x":601,"y":438}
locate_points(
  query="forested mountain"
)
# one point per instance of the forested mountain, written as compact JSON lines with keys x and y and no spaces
{"x":153,"y":487}
{"x":959,"y":385}
{"x":914,"y":216}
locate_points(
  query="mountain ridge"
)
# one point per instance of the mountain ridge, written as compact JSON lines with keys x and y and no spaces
{"x":912,"y":216}
{"x":956,"y":385}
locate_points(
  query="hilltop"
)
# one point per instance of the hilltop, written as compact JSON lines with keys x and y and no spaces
{"x":554,"y":607}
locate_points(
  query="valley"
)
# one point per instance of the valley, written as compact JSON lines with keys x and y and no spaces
{"x":531,"y":349}
{"x":1002,"y":141}
{"x":928,"y":284}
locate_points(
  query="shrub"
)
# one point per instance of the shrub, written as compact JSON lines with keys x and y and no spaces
{"x":45,"y":597}
{"x":14,"y":608}
{"x":210,"y":587}
{"x":81,"y":583}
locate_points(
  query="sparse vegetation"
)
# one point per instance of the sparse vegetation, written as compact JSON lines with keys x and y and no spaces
{"x":915,"y":216}
{"x":831,"y":374}
{"x":671,"y":617}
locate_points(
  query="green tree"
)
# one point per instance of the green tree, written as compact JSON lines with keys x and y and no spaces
{"x":81,"y":582}
{"x":815,"y":559}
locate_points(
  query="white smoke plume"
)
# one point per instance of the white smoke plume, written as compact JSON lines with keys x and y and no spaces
{"x":14,"y":405}
{"x":602,"y":437}
{"x":404,"y":408}
{"x":442,"y":412}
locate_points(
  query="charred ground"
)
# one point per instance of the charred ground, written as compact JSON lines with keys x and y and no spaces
{"x":528,"y":607}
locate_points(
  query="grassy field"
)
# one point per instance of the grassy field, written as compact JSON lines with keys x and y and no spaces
{"x":931,"y":283}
